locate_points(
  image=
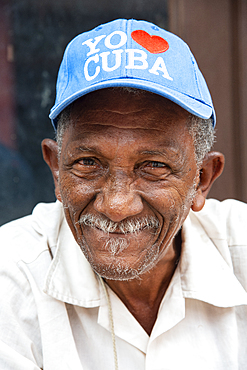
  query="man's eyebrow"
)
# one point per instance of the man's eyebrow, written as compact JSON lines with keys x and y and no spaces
{"x":174,"y":154}
{"x":82,"y":149}
{"x":93,"y":150}
{"x":152,"y":152}
{"x":163,"y":153}
{"x":86,"y":149}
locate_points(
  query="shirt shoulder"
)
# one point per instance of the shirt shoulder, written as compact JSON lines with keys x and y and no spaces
{"x":25,"y":238}
{"x":225,"y":220}
{"x":225,"y":224}
{"x":24,"y":261}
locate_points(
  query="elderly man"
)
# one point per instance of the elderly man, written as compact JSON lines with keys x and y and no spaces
{"x":131,"y":268}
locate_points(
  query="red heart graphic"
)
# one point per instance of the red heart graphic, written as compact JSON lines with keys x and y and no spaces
{"x":154,"y":44}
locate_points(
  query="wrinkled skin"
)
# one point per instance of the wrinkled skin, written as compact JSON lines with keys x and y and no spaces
{"x":124,"y":158}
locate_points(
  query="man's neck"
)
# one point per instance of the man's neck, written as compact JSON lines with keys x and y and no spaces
{"x":142,"y":296}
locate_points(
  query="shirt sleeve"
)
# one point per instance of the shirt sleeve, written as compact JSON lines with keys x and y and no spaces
{"x":20,"y":343}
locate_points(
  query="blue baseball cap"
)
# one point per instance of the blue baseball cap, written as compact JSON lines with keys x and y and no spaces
{"x":136,"y":54}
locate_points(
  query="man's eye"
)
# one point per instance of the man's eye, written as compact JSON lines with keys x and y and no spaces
{"x":156,"y":164}
{"x":86,"y":166}
{"x":155,"y":169}
{"x":88,"y":162}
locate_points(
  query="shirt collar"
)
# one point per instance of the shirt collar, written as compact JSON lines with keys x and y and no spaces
{"x":205,"y":275}
{"x":70,"y":277}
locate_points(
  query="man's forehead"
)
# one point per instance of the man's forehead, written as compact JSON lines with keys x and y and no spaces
{"x":126,"y":107}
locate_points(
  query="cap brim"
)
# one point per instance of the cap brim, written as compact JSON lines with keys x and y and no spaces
{"x":192,"y":105}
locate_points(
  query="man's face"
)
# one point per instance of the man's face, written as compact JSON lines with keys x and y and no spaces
{"x":127,"y":175}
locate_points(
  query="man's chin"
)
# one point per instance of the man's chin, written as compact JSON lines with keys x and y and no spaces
{"x":116,"y":272}
{"x":117,"y":276}
{"x":124,"y":268}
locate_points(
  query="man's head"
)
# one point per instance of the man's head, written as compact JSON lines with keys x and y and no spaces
{"x":127,"y":176}
{"x":130,"y":163}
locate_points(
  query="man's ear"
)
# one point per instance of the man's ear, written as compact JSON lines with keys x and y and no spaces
{"x":211,"y":168}
{"x":50,"y":155}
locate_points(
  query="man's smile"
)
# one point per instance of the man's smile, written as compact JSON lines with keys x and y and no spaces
{"x":124,"y":227}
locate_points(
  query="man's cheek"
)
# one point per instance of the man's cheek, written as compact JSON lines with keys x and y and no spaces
{"x":166,"y":201}
{"x":75,"y":192}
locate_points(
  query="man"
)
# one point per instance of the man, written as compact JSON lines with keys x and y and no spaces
{"x":130,"y":268}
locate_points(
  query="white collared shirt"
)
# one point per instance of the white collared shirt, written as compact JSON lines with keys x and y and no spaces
{"x":54,"y":314}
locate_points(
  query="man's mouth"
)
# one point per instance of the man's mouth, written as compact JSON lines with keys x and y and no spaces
{"x":130,"y":226}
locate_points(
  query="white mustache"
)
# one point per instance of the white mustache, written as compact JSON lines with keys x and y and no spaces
{"x":125,"y":227}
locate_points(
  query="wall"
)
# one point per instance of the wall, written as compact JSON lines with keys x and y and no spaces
{"x":217,"y":34}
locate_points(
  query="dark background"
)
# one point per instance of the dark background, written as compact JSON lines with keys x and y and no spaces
{"x":33,"y":36}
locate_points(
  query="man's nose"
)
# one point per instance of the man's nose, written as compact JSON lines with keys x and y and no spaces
{"x":118,"y":200}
